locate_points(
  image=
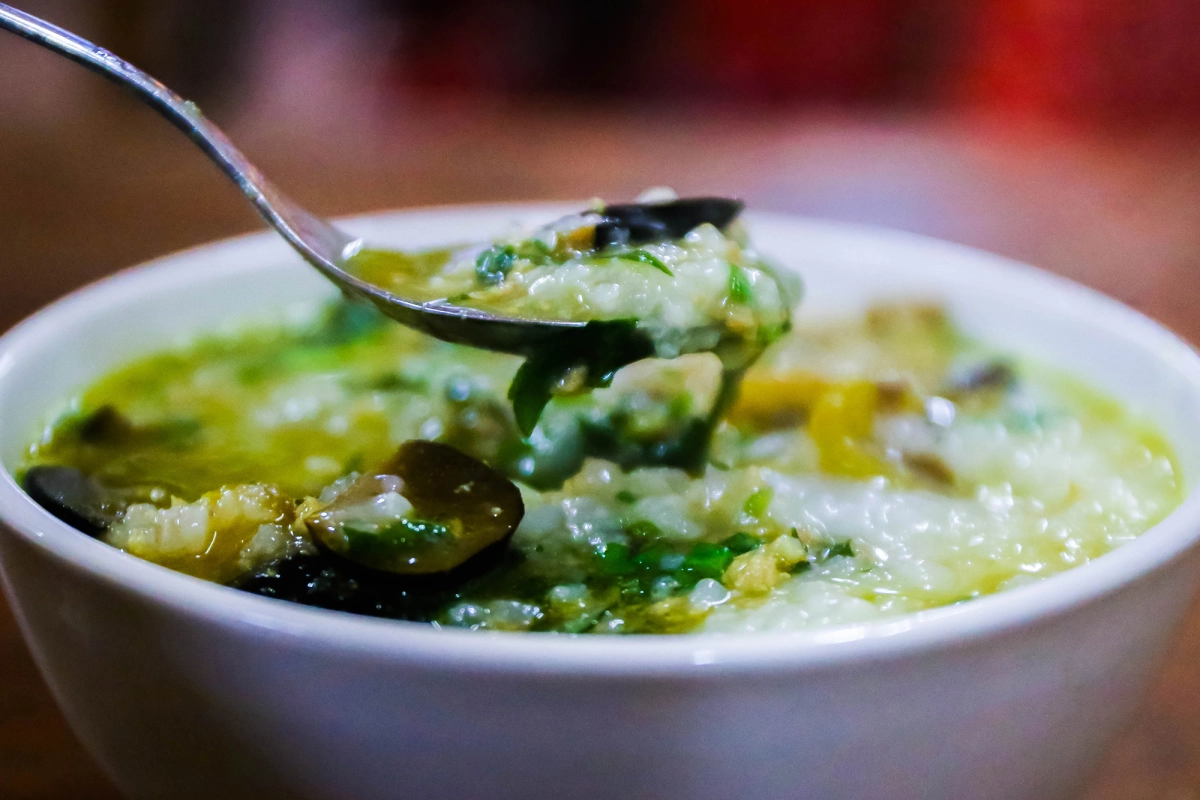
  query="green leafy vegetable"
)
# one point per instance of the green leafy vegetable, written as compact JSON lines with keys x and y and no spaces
{"x":615,"y":559}
{"x":531,"y":389}
{"x":536,"y":251}
{"x":704,"y":560}
{"x":600,"y":348}
{"x":756,"y":504}
{"x":842,"y":548}
{"x":641,"y":569}
{"x":643,"y":529}
{"x":369,"y":543}
{"x":739,"y":284}
{"x":657,"y":559}
{"x":742,"y":542}
{"x":494,"y":263}
{"x":645,"y":257}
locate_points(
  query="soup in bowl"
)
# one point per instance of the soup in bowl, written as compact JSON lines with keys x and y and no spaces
{"x":858,"y":573}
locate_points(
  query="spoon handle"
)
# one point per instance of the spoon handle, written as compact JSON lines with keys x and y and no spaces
{"x":302,"y":230}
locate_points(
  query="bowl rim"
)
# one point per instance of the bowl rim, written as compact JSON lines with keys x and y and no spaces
{"x":687,"y":655}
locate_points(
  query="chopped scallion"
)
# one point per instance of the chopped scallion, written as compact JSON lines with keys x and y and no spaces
{"x":742,"y":542}
{"x":756,"y":504}
{"x":644,"y":257}
{"x":739,"y":284}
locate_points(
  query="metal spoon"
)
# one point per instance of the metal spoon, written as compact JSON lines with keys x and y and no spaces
{"x":318,"y":242}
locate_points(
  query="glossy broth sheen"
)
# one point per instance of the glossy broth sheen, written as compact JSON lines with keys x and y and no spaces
{"x":872,"y":466}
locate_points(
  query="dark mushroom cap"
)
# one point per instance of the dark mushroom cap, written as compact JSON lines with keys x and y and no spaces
{"x":642,"y":223}
{"x":460,"y":507}
{"x":73,"y":497}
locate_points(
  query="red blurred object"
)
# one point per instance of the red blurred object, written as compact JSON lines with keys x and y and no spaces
{"x":1110,"y":60}
{"x":801,"y":49}
{"x":1122,"y":60}
{"x":725,"y":50}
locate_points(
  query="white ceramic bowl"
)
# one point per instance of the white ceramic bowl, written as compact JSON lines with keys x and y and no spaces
{"x":183,"y":689}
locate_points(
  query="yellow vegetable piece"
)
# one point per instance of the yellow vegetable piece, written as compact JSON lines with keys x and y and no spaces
{"x":776,"y":399}
{"x":841,"y":416}
{"x":841,"y":425}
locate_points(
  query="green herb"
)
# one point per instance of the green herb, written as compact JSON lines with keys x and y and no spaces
{"x":536,"y":251}
{"x":704,"y":560}
{"x":627,"y":497}
{"x":657,"y":559}
{"x":632,"y":590}
{"x":680,"y":406}
{"x":379,"y":545}
{"x":640,"y":569}
{"x":739,"y":284}
{"x":756,"y":504}
{"x":600,"y":347}
{"x":742,"y":542}
{"x":842,"y":548}
{"x":531,"y":389}
{"x":615,"y":559}
{"x":644,"y":529}
{"x":493,"y":264}
{"x":645,"y":257}
{"x":769,"y":333}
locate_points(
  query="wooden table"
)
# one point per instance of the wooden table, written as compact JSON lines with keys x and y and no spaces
{"x":80,"y":197}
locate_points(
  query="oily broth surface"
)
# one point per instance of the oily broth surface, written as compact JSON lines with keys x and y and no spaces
{"x":862,"y":474}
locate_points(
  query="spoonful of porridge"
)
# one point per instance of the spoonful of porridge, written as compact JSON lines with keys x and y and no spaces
{"x":579,"y":298}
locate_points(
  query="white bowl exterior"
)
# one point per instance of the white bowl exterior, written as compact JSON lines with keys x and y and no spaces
{"x":185,"y":689}
{"x":176,"y":705}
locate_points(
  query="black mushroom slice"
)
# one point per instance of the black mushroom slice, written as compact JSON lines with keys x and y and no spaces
{"x":428,"y":510}
{"x":75,"y":498}
{"x":643,"y":223}
{"x":985,"y":376}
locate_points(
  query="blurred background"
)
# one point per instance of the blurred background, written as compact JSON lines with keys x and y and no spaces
{"x":1065,"y":133}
